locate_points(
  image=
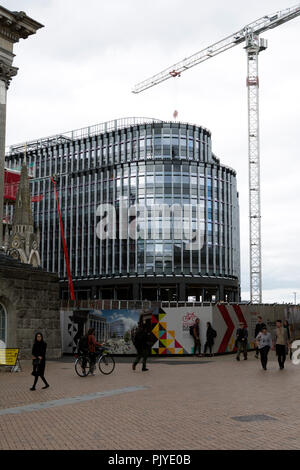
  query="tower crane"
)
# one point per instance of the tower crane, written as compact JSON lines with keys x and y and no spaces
{"x":254,"y":44}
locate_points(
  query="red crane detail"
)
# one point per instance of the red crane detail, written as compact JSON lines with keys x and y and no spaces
{"x":71,"y":287}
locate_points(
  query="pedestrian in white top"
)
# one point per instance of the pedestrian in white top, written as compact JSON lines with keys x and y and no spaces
{"x":264,"y":344}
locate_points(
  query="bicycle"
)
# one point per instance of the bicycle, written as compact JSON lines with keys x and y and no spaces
{"x":84,"y":366}
{"x":106,"y":362}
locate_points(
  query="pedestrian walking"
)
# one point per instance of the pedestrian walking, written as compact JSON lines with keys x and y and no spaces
{"x":211,"y":334}
{"x":264,"y":344}
{"x":242,"y":341}
{"x":39,"y":360}
{"x":289,"y":335}
{"x":258,"y":328}
{"x":141,"y":341}
{"x":280,"y":343}
{"x":196,"y":335}
{"x":92,"y":344}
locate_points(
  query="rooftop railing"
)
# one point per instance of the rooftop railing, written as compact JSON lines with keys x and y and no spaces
{"x":104,"y":127}
{"x":139,"y":304}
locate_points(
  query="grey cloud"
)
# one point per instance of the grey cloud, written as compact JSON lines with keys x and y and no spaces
{"x":80,"y":68}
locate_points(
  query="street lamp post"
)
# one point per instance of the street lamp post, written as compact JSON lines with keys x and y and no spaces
{"x":295,"y":298}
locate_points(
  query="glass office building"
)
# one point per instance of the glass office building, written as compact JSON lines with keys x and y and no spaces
{"x":152,"y":165}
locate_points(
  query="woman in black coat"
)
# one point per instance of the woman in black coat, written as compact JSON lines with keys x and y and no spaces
{"x":39,"y":360}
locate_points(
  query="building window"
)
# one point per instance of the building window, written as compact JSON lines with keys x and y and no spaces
{"x":2,"y":324}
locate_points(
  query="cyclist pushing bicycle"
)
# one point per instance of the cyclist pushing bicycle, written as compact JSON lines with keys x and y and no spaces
{"x":90,"y":352}
{"x":92,"y":344}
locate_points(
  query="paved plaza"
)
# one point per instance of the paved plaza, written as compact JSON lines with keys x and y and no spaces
{"x":179,"y":404}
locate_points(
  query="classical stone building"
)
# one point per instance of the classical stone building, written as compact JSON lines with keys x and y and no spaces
{"x":14,"y":25}
{"x":29,"y":302}
{"x":29,"y":296}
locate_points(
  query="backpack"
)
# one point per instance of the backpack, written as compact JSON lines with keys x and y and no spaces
{"x":191,"y":328}
{"x":214,"y":333}
{"x":134,"y":336}
{"x":139,"y":338}
{"x":83,"y":343}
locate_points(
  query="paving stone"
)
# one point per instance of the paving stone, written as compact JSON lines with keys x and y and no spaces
{"x":187,"y":407}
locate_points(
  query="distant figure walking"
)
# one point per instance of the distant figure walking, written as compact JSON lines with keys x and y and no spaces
{"x":196,"y":335}
{"x":258,"y":328}
{"x":280,"y":343}
{"x":289,"y":335}
{"x":142,"y":345}
{"x":264,"y":344}
{"x":211,"y":334}
{"x":242,"y":341}
{"x":39,"y":360}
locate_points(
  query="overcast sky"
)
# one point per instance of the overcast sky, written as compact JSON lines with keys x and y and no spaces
{"x":80,"y":68}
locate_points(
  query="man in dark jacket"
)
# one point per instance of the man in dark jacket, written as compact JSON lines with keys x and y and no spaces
{"x":258,"y":328}
{"x":196,"y":335}
{"x":210,"y":338}
{"x":141,"y":342}
{"x":242,"y":341}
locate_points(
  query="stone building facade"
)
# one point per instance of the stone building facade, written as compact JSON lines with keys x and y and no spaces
{"x":29,"y":302}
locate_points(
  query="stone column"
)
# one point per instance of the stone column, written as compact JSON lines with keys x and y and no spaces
{"x":2,"y":151}
{"x":136,"y":291}
{"x":182,"y":291}
{"x":6,"y":74}
{"x":221,"y":293}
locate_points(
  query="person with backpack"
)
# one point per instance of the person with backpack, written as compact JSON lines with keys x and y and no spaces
{"x":211,"y":334}
{"x":141,"y":342}
{"x":82,"y":346}
{"x":242,"y":341}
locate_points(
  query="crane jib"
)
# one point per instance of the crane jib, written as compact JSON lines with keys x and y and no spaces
{"x":254,"y":45}
{"x":256,"y":27}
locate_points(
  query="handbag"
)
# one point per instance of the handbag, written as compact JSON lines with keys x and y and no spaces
{"x":35,"y":364}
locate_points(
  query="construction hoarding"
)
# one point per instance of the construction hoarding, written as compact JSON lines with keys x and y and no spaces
{"x":170,"y":326}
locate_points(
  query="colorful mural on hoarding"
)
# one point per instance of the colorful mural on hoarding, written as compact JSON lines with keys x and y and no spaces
{"x":171,"y":326}
{"x":114,"y":327}
{"x":166,"y":342}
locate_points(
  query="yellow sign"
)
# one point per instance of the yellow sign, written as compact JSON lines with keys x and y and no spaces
{"x":8,"y":357}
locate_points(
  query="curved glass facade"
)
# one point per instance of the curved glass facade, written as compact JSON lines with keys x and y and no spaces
{"x":153,"y":165}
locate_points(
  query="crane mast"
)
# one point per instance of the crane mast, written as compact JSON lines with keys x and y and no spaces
{"x":254,"y":45}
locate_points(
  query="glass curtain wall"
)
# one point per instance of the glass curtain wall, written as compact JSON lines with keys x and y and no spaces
{"x":146,"y":165}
